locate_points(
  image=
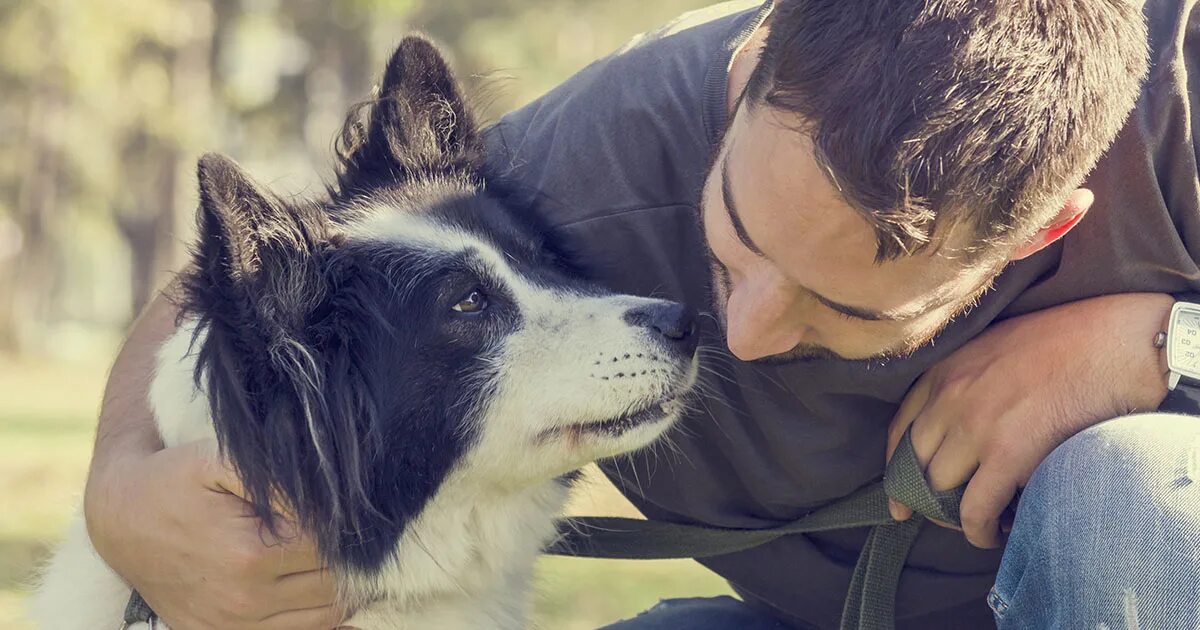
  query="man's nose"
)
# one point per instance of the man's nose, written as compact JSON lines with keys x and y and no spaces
{"x":760,"y":324}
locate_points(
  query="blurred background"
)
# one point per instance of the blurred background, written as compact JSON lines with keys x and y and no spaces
{"x":104,"y":109}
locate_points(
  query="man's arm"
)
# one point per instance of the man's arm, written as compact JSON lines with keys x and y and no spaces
{"x":996,"y":407}
{"x":170,"y":523}
{"x":126,"y":429}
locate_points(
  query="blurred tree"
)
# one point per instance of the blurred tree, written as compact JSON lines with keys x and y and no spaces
{"x":104,"y":108}
{"x":525,"y":47}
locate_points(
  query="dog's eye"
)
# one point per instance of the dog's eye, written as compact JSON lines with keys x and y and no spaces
{"x":474,"y":302}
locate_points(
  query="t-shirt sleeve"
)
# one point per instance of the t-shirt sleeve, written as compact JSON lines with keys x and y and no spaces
{"x":1143,"y":231}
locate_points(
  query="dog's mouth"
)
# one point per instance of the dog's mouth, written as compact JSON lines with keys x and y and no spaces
{"x":646,"y":415}
{"x":616,"y":427}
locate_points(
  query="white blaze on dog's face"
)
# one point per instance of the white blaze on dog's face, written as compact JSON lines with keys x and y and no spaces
{"x":571,"y":373}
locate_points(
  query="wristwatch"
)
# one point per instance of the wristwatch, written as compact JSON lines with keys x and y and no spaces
{"x":1182,"y":345}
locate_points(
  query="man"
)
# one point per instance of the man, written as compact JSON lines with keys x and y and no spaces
{"x":885,"y":205}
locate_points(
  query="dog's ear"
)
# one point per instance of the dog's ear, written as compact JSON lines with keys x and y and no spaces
{"x":256,"y":285}
{"x":255,"y":251}
{"x":418,"y":126}
{"x":236,"y":215}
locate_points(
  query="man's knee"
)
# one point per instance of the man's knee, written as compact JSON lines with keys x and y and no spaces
{"x":1142,"y":461}
{"x":1109,"y":524}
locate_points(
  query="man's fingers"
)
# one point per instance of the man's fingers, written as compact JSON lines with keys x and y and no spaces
{"x":952,"y":465}
{"x":288,"y":554}
{"x":986,"y":497}
{"x":944,"y":524}
{"x":322,"y":618}
{"x":207,"y":465}
{"x":957,"y":458}
{"x":910,"y":408}
{"x":932,"y":449}
{"x":927,"y":436}
{"x":225,"y":480}
{"x":899,"y":511}
{"x":308,"y":589}
{"x":912,"y":405}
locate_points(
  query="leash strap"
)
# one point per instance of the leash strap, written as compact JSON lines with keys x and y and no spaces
{"x":870,"y":602}
{"x":871,"y":599}
{"x":138,"y":611}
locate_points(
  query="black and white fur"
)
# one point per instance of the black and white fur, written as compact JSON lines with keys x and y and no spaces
{"x":338,"y":352}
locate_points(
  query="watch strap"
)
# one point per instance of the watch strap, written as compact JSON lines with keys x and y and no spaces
{"x":1184,"y":399}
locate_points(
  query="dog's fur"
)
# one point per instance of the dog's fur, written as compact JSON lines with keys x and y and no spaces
{"x":336,"y":351}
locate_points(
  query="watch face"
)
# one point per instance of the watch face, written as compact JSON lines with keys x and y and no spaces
{"x":1185,"y":342}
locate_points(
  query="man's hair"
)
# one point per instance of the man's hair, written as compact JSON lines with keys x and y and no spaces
{"x":929,"y":114}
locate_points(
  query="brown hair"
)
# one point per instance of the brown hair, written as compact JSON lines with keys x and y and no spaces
{"x":934,"y":113}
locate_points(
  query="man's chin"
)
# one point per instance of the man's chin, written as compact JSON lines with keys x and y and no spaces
{"x":809,"y":353}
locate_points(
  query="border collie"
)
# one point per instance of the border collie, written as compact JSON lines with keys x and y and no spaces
{"x":402,"y":364}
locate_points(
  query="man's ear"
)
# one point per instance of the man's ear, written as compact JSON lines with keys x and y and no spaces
{"x":1077,"y":205}
{"x":419,"y":125}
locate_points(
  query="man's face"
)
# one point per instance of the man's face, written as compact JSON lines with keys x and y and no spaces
{"x":794,"y":271}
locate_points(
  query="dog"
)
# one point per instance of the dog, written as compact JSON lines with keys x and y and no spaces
{"x":406,"y":364}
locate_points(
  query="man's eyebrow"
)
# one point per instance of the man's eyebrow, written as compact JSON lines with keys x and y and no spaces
{"x":868,"y":314}
{"x":738,"y":227}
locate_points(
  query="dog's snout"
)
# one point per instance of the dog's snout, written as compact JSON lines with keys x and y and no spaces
{"x":673,"y":323}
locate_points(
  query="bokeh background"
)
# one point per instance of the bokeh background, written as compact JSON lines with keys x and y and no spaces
{"x":104,"y":108}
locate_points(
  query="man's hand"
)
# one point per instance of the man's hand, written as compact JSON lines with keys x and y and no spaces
{"x":171,"y":525}
{"x":994,"y":409}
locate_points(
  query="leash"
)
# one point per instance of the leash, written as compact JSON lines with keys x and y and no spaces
{"x":870,"y":602}
{"x":138,"y":611}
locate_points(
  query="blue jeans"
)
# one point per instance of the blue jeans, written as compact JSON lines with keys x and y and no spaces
{"x":1107,"y":537}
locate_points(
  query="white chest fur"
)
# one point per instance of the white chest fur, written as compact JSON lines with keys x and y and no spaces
{"x":180,"y":409}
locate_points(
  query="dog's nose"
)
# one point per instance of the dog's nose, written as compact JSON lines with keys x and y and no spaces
{"x":675,"y":325}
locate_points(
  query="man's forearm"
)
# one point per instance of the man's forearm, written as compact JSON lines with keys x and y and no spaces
{"x":1129,"y":323}
{"x":1148,"y":364}
{"x":125,"y":413}
{"x":126,"y":430}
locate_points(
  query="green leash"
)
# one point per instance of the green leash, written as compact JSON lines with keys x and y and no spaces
{"x":870,"y":602}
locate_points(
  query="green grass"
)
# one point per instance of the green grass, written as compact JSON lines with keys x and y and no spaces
{"x":47,"y":414}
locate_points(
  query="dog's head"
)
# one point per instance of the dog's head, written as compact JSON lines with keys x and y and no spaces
{"x":361,"y":350}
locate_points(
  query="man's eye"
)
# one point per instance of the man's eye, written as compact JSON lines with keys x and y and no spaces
{"x":845,"y":316}
{"x":474,"y":302}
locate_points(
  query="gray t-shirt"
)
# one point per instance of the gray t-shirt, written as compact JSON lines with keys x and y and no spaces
{"x":615,"y":158}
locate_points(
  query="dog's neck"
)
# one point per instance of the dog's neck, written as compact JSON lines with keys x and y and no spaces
{"x":465,"y":562}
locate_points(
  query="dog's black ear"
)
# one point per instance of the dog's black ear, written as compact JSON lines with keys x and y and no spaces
{"x":418,"y":126}
{"x":257,"y":286}
{"x":255,"y":251}
{"x":235,"y":217}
